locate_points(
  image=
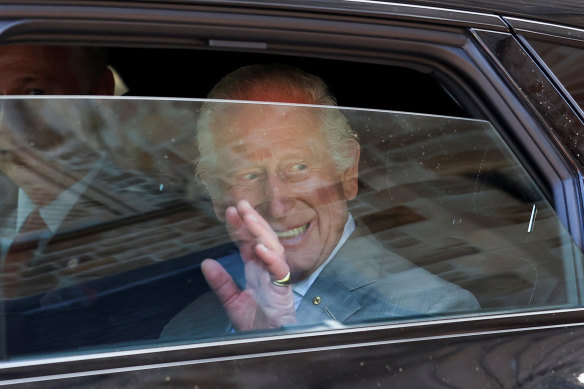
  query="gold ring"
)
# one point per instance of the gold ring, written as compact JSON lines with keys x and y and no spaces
{"x":282,"y":282}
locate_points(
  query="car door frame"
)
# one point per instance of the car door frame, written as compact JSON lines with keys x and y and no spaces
{"x":451,"y":44}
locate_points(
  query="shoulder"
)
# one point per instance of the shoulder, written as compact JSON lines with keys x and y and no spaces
{"x":402,"y":287}
{"x":417,"y":290}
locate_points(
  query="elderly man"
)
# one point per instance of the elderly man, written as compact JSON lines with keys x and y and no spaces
{"x":280,"y":176}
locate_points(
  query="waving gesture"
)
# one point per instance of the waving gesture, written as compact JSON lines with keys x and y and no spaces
{"x":263,"y":303}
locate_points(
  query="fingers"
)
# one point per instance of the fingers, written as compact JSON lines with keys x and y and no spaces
{"x":220,"y":281}
{"x":249,"y":226}
{"x":233,"y":218}
{"x":268,"y":247}
{"x":259,"y":228}
{"x":274,"y":262}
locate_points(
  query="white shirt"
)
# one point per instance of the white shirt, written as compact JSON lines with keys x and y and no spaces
{"x":301,"y":287}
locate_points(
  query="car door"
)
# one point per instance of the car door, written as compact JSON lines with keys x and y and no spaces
{"x":469,"y":170}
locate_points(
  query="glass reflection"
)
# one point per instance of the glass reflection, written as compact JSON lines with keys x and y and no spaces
{"x":104,"y":226}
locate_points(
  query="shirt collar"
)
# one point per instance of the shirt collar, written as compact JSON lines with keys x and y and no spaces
{"x":24,"y":208}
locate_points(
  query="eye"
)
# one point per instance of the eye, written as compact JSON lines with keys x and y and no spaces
{"x":296,"y":171}
{"x":298,"y":167}
{"x":250,"y":176}
{"x":36,"y":92}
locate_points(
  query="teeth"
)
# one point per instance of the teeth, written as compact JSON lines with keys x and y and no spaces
{"x":291,"y":233}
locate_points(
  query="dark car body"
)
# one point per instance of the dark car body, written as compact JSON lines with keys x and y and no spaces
{"x":496,"y":61}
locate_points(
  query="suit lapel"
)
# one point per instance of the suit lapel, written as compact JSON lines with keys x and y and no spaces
{"x":331,"y":296}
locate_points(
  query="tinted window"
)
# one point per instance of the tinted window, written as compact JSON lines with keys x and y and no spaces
{"x":447,"y":223}
{"x":565,"y":62}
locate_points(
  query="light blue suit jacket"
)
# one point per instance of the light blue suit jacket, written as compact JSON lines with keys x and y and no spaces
{"x":364,"y":281}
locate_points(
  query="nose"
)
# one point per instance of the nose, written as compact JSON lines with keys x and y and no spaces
{"x":278,"y":200}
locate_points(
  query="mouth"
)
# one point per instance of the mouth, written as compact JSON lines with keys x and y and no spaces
{"x":292,"y":233}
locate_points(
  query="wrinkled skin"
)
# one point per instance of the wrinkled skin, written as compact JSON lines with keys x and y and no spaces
{"x":286,"y":206}
{"x":262,"y":304}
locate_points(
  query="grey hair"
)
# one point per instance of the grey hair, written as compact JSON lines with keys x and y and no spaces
{"x":272,"y":83}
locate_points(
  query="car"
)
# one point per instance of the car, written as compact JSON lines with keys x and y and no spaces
{"x":470,"y":122}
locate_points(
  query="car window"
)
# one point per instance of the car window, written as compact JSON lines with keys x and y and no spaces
{"x":371,"y":85}
{"x":564,"y":62}
{"x":106,"y":220}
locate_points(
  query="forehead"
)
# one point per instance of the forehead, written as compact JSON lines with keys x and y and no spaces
{"x":50,"y":66}
{"x":33,"y":57}
{"x":245,"y":126}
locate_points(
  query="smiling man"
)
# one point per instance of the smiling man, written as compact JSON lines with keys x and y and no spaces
{"x":281,"y":176}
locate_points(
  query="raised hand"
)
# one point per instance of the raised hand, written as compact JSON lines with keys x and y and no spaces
{"x":262,"y":304}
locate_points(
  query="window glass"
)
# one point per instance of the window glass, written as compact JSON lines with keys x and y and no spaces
{"x":565,"y":62}
{"x":378,"y":216}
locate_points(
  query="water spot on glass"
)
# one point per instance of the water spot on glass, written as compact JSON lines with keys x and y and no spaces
{"x":401,"y":369}
{"x":161,"y":187}
{"x":32,"y":144}
{"x":166,"y":157}
{"x":73,"y":262}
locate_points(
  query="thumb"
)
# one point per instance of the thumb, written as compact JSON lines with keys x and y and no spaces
{"x":220,"y":281}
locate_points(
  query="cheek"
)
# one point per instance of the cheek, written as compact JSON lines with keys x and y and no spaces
{"x":323,"y":195}
{"x":234,"y":194}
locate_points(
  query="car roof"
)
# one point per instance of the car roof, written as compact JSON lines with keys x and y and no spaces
{"x":567,"y":12}
{"x":564,"y":12}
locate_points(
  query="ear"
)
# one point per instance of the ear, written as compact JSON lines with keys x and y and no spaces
{"x":105,"y":85}
{"x":350,"y":177}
